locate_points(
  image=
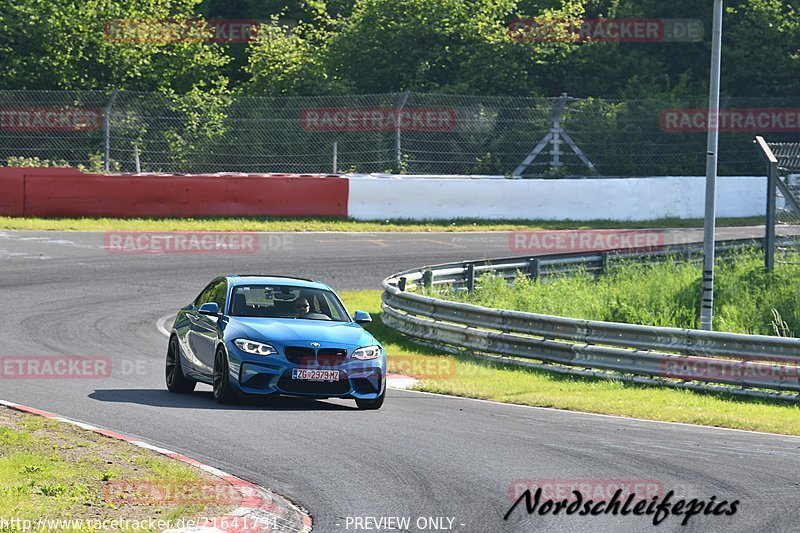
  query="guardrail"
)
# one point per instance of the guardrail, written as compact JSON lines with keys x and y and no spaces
{"x":751,"y":365}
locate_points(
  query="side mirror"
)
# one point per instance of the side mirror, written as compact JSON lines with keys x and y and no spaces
{"x":362,"y":317}
{"x":209,"y":309}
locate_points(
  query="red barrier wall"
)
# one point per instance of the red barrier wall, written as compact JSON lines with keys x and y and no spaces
{"x":13,"y":182}
{"x":69,"y":193}
{"x":12,"y":192}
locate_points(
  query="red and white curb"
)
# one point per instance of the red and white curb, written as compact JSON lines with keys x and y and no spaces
{"x":398,"y":381}
{"x":259,"y":509}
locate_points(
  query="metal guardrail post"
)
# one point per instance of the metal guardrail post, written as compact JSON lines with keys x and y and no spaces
{"x":470,"y":276}
{"x":401,"y":284}
{"x":534,"y":269}
{"x":427,"y":278}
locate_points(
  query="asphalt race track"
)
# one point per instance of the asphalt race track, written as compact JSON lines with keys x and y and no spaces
{"x":420,"y":456}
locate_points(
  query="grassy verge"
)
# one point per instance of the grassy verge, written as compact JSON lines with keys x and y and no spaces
{"x":472,"y":378}
{"x":267,"y":224}
{"x":55,"y":471}
{"x":747,"y":299}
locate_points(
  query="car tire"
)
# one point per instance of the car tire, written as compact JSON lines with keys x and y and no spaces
{"x":223,"y":390}
{"x":176,"y":379}
{"x":372,"y":404}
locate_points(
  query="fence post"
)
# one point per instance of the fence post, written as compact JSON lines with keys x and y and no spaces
{"x":335,"y":157}
{"x":772,"y":186}
{"x":136,"y":161}
{"x":769,"y":237}
{"x":107,"y":130}
{"x":557,"y":131}
{"x":553,"y":138}
{"x":397,"y":143}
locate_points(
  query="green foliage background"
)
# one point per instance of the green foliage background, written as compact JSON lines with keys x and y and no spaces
{"x":194,"y":106}
{"x":747,"y":299}
{"x":377,"y":46}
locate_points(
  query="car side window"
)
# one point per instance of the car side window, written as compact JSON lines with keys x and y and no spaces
{"x":205,"y":295}
{"x":219,"y":293}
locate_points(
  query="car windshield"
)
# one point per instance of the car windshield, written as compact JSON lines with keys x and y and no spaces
{"x":286,"y":301}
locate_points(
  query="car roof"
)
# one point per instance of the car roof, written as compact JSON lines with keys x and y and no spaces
{"x":246,"y":279}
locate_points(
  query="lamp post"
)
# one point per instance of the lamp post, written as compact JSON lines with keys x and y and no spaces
{"x":707,"y":297}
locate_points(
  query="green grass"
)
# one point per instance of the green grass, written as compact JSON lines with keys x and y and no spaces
{"x":268,"y":224}
{"x":474,"y":378}
{"x":747,"y":299}
{"x":57,"y":471}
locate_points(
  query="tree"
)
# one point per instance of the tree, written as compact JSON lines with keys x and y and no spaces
{"x":63,"y":44}
{"x":449,"y":45}
{"x":761,"y":50}
{"x":290,"y":61}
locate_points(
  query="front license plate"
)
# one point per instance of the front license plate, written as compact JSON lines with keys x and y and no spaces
{"x":308,"y":374}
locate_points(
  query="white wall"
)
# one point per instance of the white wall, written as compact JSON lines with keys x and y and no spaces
{"x":552,"y":199}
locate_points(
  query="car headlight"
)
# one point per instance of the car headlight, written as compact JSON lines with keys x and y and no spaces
{"x":255,"y":348}
{"x":366,"y":353}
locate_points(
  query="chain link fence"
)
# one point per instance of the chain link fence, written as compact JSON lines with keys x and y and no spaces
{"x":787,"y":212}
{"x":407,"y":133}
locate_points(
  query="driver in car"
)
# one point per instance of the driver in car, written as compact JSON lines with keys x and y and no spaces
{"x":302,"y":307}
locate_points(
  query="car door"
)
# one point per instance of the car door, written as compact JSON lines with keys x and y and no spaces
{"x":187,"y":317}
{"x":203,"y":332}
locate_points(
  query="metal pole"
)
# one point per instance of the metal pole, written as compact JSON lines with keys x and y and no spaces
{"x":769,"y":237}
{"x":707,"y":298}
{"x":107,"y":129}
{"x":335,"y":157}
{"x":136,"y":158}
{"x":772,"y":193}
{"x":397,"y":146}
{"x":555,"y":138}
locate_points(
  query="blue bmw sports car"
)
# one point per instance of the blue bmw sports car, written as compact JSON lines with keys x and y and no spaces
{"x":261,"y":335}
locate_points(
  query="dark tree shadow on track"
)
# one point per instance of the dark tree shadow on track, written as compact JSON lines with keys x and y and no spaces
{"x":204,"y":400}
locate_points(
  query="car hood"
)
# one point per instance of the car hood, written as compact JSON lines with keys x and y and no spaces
{"x":291,"y":330}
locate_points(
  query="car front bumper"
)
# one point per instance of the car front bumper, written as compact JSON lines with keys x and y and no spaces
{"x":255,"y":375}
